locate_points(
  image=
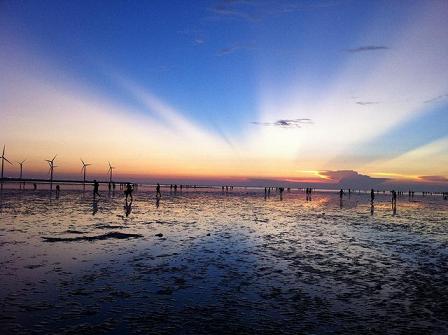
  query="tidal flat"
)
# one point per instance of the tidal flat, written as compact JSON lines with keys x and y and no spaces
{"x":202,"y":261}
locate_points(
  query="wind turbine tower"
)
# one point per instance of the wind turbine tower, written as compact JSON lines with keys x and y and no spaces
{"x":3,"y":158}
{"x":21,"y":168}
{"x":83,"y":171}
{"x":52,"y":166}
{"x":110,"y":172}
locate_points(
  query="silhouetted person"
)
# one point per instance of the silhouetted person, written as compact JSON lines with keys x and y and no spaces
{"x":308,"y":194}
{"x":394,"y":201}
{"x":109,"y":186}
{"x":372,"y":195}
{"x":175,"y":188}
{"x":35,"y":186}
{"x":394,"y":197}
{"x":341,"y":193}
{"x":281,"y":189}
{"x":158,"y":194}
{"x":96,"y":186}
{"x":58,"y":191}
{"x":128,"y":191}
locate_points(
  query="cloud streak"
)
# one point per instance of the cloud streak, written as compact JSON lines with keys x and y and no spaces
{"x":254,"y":11}
{"x":367,"y":103}
{"x":352,"y":179}
{"x":234,"y":48}
{"x":435,"y":99}
{"x":288,"y":123}
{"x":367,"y":48}
{"x":434,"y":179}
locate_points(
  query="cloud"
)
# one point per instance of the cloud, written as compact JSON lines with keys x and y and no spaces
{"x":257,"y":10}
{"x":291,"y":123}
{"x":352,"y":179}
{"x":434,"y":179}
{"x":232,"y":9}
{"x":366,"y":103}
{"x":367,"y":48}
{"x":197,"y":36}
{"x":437,"y":98}
{"x":235,"y":47}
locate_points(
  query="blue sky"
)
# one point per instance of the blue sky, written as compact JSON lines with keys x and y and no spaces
{"x":231,"y":69}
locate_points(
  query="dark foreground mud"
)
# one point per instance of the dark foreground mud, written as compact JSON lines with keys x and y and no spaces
{"x":203,"y":262}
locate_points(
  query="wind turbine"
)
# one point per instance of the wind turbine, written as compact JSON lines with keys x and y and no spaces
{"x":3,"y":158}
{"x":83,"y":170}
{"x":21,"y":170}
{"x":21,"y":167}
{"x":110,"y":172}
{"x":52,"y":166}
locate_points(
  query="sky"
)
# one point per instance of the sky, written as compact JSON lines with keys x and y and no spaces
{"x":325,"y":93}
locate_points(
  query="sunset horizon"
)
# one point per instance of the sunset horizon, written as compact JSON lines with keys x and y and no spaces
{"x":225,"y":167}
{"x":244,"y":102}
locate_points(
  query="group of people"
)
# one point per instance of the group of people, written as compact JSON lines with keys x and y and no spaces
{"x":227,"y":188}
{"x":129,"y":189}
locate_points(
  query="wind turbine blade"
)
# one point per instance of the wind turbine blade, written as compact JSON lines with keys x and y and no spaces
{"x":6,"y":159}
{"x":54,"y":157}
{"x":3,"y":150}
{"x":82,"y":162}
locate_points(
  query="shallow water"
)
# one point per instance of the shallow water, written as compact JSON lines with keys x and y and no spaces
{"x":205,"y":262}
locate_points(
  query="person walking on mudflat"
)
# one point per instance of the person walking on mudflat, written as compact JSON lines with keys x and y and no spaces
{"x":128,"y":191}
{"x":96,"y":186}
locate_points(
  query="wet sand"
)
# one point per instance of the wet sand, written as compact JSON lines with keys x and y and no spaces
{"x":205,"y":262}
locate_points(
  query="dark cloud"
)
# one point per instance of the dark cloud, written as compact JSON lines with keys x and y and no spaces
{"x":352,"y":179}
{"x":437,"y":98}
{"x":434,"y":179}
{"x":368,"y":48}
{"x":366,"y":103}
{"x":291,"y":123}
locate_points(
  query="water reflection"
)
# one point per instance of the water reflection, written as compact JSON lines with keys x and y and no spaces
{"x":127,"y":207}
{"x":94,"y":206}
{"x":203,"y":252}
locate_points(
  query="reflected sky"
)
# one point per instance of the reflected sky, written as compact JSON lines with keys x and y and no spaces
{"x":211,"y":257}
